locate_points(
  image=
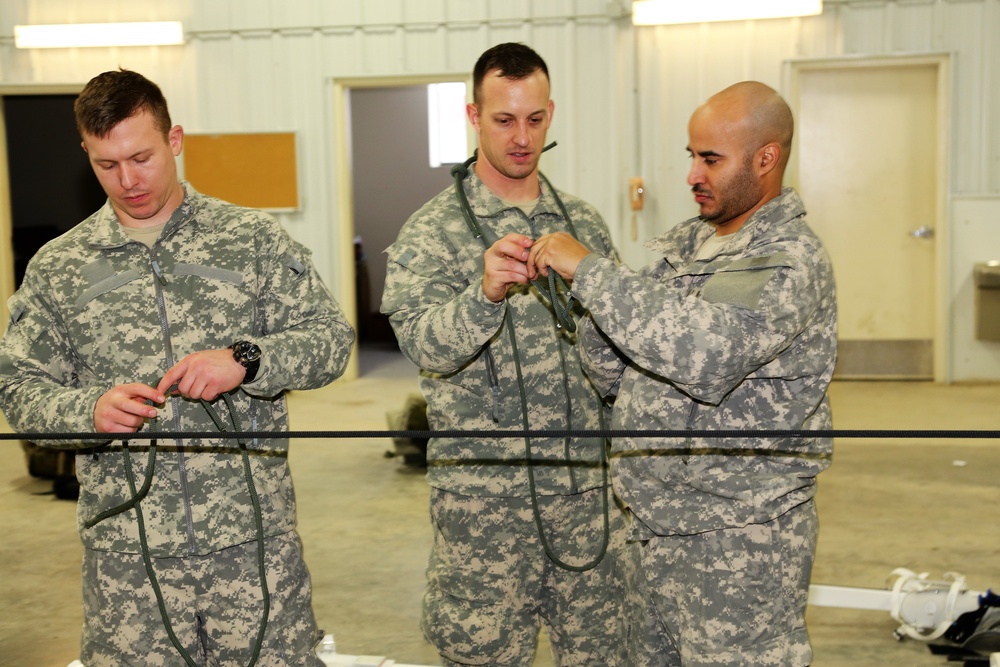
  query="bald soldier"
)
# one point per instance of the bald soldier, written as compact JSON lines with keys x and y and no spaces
{"x":734,"y":328}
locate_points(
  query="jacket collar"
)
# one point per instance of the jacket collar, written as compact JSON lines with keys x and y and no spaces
{"x":679,"y":244}
{"x":485,"y":204}
{"x":106,"y":232}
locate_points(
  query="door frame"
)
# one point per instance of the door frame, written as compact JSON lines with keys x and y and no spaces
{"x":344,"y":190}
{"x":943,"y":64}
{"x":6,"y":222}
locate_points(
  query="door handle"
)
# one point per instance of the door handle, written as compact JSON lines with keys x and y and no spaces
{"x":924,"y":232}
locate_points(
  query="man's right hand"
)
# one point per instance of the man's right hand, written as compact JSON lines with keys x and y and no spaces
{"x":123,"y":409}
{"x":504,"y":265}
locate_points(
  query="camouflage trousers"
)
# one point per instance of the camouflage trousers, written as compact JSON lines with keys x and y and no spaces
{"x":490,"y":583}
{"x":214,"y":604}
{"x":727,"y":598}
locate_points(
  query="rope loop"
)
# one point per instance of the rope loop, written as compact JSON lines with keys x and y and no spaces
{"x":133,"y":503}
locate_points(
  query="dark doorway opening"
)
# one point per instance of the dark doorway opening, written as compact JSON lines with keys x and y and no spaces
{"x":392,"y":178}
{"x":52,"y":186}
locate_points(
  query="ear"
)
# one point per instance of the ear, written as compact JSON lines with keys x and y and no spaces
{"x":176,"y":139}
{"x":552,"y":110}
{"x":767,"y":158}
{"x":472,"y":113}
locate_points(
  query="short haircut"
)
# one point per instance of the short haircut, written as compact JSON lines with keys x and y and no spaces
{"x":115,"y":96}
{"x":512,"y":60}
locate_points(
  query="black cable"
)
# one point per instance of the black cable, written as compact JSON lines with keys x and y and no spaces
{"x":662,"y":434}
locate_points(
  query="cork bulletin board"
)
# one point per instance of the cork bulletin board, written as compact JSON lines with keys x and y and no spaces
{"x":255,"y":169}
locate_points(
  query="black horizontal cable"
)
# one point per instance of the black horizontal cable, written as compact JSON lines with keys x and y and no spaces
{"x":489,"y":433}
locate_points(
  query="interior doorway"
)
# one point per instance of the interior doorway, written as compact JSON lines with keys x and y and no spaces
{"x":48,"y":183}
{"x":870,"y":166}
{"x":384,"y":147}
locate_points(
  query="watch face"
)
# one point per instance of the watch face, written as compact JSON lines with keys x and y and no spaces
{"x":246,"y":351}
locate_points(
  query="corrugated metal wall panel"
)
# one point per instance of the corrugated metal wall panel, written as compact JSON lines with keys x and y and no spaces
{"x":426,"y":49}
{"x":383,"y":51}
{"x":864,"y":27}
{"x":511,"y":10}
{"x":964,"y":33}
{"x":462,"y":41}
{"x":723,"y":53}
{"x":210,"y":15}
{"x":990,"y":81}
{"x":596,"y":155}
{"x":463,"y":10}
{"x":255,"y":65}
{"x":425,"y":11}
{"x":12,"y":12}
{"x":296,"y":14}
{"x":341,"y":53}
{"x":817,"y":39}
{"x":381,"y":12}
{"x":496,"y":33}
{"x":912,"y":27}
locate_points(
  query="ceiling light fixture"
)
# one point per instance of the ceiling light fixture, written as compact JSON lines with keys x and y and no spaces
{"x":657,"y":12}
{"x":152,"y":33}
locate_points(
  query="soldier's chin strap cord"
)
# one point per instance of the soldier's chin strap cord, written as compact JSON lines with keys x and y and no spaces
{"x":564,"y":320}
{"x":140,"y":493}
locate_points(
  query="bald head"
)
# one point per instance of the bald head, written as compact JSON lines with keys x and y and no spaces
{"x":739,"y":141}
{"x":757,"y":112}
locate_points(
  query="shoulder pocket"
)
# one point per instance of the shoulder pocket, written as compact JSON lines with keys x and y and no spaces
{"x":742,"y":282}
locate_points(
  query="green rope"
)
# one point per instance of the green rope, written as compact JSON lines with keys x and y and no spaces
{"x":562,"y":310}
{"x":606,"y":531}
{"x":139,"y":494}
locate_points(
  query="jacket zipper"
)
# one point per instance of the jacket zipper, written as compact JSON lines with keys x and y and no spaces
{"x":175,"y":401}
{"x":491,"y":373}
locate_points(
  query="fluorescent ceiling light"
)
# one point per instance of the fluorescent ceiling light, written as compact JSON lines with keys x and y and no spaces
{"x":656,"y":12}
{"x":98,"y":34}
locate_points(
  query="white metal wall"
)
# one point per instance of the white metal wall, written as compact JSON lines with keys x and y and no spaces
{"x":681,"y":65}
{"x":678,"y":66}
{"x":623,"y":95}
{"x":268,"y":65}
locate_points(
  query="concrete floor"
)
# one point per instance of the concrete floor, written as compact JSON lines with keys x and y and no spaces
{"x":363,"y":518}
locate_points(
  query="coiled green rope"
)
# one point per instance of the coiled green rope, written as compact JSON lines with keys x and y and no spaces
{"x":140,"y":493}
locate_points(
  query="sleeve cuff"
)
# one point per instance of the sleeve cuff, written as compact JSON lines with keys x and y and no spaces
{"x":586,"y":275}
{"x":488,"y":307}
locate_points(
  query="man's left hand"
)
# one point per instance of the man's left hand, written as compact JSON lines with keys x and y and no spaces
{"x":559,"y":252}
{"x":204,"y":375}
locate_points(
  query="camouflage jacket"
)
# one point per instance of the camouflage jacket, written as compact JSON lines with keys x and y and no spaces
{"x":97,"y":310}
{"x":447,"y":327}
{"x":744,"y":340}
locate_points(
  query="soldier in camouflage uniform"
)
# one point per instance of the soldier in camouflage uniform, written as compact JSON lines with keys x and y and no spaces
{"x":491,"y":580}
{"x":735,"y":328}
{"x":130,"y":316}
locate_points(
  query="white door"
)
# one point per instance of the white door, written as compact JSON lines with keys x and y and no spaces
{"x":868,"y":172}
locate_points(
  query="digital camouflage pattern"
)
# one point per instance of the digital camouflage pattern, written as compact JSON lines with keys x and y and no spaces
{"x":744,"y":340}
{"x":489,"y":581}
{"x":97,"y":310}
{"x":733,"y":597}
{"x":214,"y":604}
{"x":455,"y":335}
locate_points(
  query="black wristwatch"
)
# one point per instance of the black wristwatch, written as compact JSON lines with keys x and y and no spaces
{"x":248,"y":355}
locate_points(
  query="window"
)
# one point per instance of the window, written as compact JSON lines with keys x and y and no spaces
{"x":446,"y":123}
